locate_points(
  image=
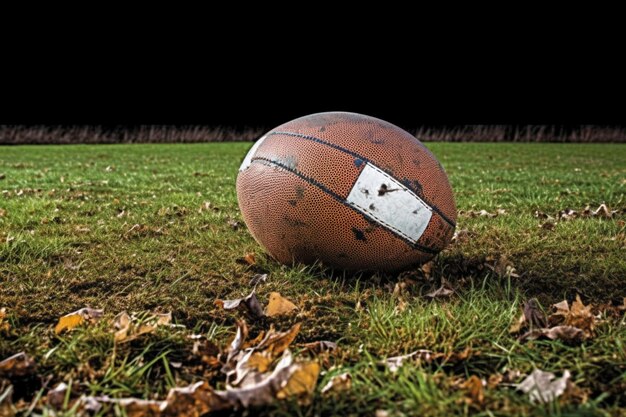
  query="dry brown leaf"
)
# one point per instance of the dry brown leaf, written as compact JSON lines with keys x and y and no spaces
{"x":567,"y":214}
{"x":502,"y":266}
{"x":131,"y":327}
{"x":542,"y":215}
{"x":78,"y":317}
{"x":482,"y":213}
{"x":267,"y":389}
{"x":534,"y":315}
{"x":581,"y":317}
{"x":461,"y":236}
{"x":250,"y":302}
{"x":494,"y":380}
{"x":320,"y":346}
{"x":444,"y":291}
{"x":302,"y":381}
{"x":428,"y":266}
{"x":277,"y":342}
{"x":603,"y":211}
{"x":564,"y":333}
{"x":623,"y":306}
{"x":475,"y":388}
{"x":460,"y":356}
{"x":257,"y":279}
{"x":279,"y":305}
{"x":578,"y":315}
{"x":338,"y":383}
{"x":259,"y":362}
{"x":4,"y":324}
{"x":247,"y":259}
{"x":17,"y":365}
{"x":574,"y":394}
{"x":3,"y":212}
{"x":541,"y":388}
{"x":396,"y":362}
{"x":56,"y":396}
{"x":6,"y":401}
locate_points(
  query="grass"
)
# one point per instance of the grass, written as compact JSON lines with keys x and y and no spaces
{"x":150,"y":228}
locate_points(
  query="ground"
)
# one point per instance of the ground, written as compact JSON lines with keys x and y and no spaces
{"x":156,"y":228}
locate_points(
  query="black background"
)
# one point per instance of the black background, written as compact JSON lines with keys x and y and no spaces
{"x":237,"y":86}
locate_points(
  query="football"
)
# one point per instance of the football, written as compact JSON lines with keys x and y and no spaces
{"x":349,"y":190}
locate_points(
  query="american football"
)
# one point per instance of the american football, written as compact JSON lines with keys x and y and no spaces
{"x":352,"y":191}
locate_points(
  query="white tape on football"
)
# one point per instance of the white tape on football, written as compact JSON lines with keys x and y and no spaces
{"x":390,"y":203}
{"x":248,"y":159}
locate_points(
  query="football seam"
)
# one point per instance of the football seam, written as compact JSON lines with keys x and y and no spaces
{"x":367,"y":160}
{"x":337,"y":197}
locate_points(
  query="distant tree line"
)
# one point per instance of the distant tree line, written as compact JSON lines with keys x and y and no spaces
{"x":38,"y":134}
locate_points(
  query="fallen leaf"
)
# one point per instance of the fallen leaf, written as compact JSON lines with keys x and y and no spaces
{"x":567,"y":214}
{"x":266,"y":390}
{"x":578,"y":315}
{"x":3,"y":212}
{"x":396,"y":362}
{"x":460,"y":356}
{"x":320,"y":346}
{"x":581,"y":317}
{"x":549,"y":225}
{"x":461,"y":236}
{"x":302,"y":381}
{"x":277,"y":342}
{"x":428,"y":266}
{"x":482,"y":213}
{"x":443,"y":291}
{"x":250,"y":302}
{"x":240,"y":337}
{"x":542,"y":215}
{"x":131,"y":327}
{"x":56,"y":396}
{"x":78,"y":317}
{"x":534,"y":315}
{"x":248,"y":259}
{"x":541,"y":388}
{"x":623,"y":306}
{"x":574,"y":394}
{"x":341,"y":382}
{"x":502,"y":266}
{"x":494,"y":380}
{"x":564,"y":333}
{"x":603,"y":211}
{"x":474,"y":386}
{"x":279,"y":305}
{"x":4,"y":324}
{"x":259,"y":362}
{"x":6,"y":401}
{"x":17,"y":365}
{"x":257,"y":279}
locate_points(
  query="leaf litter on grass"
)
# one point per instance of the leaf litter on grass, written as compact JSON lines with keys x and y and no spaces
{"x":256,"y":375}
{"x":78,"y":317}
{"x":573,"y":324}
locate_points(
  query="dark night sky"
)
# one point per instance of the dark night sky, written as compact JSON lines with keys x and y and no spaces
{"x":87,"y":72}
{"x":269,"y":92}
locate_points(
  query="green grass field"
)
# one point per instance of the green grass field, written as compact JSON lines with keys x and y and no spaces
{"x":156,"y":228}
